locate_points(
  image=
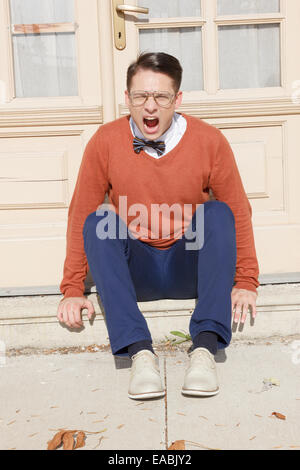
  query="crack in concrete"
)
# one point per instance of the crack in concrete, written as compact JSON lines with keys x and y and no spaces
{"x":166,"y":404}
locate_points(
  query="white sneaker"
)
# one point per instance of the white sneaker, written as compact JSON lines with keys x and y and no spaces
{"x":201,"y":376}
{"x":145,"y":380}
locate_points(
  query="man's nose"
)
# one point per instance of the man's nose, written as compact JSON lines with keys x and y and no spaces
{"x":150,"y":104}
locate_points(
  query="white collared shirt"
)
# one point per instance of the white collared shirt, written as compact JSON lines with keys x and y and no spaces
{"x":171,"y":137}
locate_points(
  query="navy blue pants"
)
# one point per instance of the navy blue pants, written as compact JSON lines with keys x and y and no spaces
{"x":128,"y":270}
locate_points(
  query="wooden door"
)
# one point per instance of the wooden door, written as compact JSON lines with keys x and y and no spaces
{"x":63,"y":74}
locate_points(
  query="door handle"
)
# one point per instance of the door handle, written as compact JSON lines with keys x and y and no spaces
{"x":132,"y":9}
{"x":118,"y":11}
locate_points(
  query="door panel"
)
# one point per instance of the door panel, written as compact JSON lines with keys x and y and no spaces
{"x":35,"y":192}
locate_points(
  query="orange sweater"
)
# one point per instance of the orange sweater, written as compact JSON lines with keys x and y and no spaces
{"x":202,"y":159}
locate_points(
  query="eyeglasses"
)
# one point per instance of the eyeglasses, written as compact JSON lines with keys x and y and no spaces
{"x":162,"y":98}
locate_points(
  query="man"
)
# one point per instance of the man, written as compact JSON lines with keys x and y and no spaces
{"x":156,"y":157}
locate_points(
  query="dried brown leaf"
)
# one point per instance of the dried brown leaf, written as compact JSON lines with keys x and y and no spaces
{"x":177,"y":445}
{"x":62,"y":436}
{"x":68,"y":440}
{"x":80,"y":440}
{"x":56,"y":441}
{"x":278,"y":415}
{"x":120,"y":426}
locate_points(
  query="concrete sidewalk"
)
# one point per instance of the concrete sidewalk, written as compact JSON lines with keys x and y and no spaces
{"x":88,"y":391}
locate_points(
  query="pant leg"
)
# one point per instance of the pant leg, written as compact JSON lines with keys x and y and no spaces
{"x":206,"y":273}
{"x":114,"y":263}
{"x":129,"y":270}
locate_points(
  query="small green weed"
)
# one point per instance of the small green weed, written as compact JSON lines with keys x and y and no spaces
{"x":180,"y":334}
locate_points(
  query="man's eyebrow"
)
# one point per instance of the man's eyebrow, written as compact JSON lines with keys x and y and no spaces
{"x":153,"y":91}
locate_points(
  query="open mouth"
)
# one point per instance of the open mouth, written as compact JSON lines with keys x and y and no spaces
{"x":151,"y":125}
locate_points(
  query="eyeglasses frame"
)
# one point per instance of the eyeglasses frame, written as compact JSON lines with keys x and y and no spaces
{"x":152,"y":93}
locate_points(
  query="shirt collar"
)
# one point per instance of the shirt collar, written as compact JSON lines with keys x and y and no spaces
{"x":165,"y":137}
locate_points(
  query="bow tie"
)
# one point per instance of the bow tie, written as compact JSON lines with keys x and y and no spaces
{"x":139,"y":144}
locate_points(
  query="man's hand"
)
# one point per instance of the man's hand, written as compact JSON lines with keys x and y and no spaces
{"x":69,"y":311}
{"x":242,"y":300}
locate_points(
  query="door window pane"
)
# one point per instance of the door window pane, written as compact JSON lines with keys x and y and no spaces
{"x":41,"y":11}
{"x":171,"y":8}
{"x":239,"y":7}
{"x":183,"y":43}
{"x":44,"y":63}
{"x":249,"y":56}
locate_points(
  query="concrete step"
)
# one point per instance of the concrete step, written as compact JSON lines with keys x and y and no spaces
{"x":30,"y":321}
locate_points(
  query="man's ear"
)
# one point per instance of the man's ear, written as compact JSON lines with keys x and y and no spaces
{"x":126,"y":98}
{"x":178,"y":99}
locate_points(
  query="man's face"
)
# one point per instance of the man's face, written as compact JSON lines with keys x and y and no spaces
{"x":152,"y":119}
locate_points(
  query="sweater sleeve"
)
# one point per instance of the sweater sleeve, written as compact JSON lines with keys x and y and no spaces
{"x":227,"y":186}
{"x":89,"y":193}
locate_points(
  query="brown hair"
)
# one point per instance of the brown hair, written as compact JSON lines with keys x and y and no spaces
{"x":157,"y":62}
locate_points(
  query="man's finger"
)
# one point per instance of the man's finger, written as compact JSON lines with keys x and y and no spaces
{"x":59,"y":313}
{"x":77,"y":318}
{"x":73,"y":317}
{"x":253,"y":310}
{"x":245,"y":311}
{"x":63,"y":313}
{"x":66,"y":315}
{"x":238,"y":310}
{"x":233,"y":306}
{"x":90,"y":309}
